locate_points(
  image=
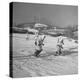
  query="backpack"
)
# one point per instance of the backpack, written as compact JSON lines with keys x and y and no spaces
{"x":62,"y":41}
{"x":40,"y":42}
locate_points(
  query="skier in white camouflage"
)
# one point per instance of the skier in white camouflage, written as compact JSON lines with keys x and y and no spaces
{"x":39,"y":44}
{"x":60,"y":44}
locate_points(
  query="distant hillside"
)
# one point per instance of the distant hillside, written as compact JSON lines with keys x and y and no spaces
{"x":22,"y":25}
{"x":31,"y":25}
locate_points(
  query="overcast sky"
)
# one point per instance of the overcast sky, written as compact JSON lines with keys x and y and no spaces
{"x":59,"y":15}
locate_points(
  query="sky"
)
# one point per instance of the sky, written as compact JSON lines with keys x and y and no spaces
{"x":57,"y":15}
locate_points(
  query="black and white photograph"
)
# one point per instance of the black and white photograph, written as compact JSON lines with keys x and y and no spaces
{"x":43,"y":39}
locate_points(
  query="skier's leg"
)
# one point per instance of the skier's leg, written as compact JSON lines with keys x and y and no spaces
{"x":57,"y":52}
{"x":60,"y":51}
{"x":37,"y":52}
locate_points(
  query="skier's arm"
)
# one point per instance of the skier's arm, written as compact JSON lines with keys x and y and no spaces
{"x":58,"y":40}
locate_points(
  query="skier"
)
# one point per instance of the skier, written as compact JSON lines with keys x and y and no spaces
{"x":60,"y":44}
{"x":39,"y":44}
